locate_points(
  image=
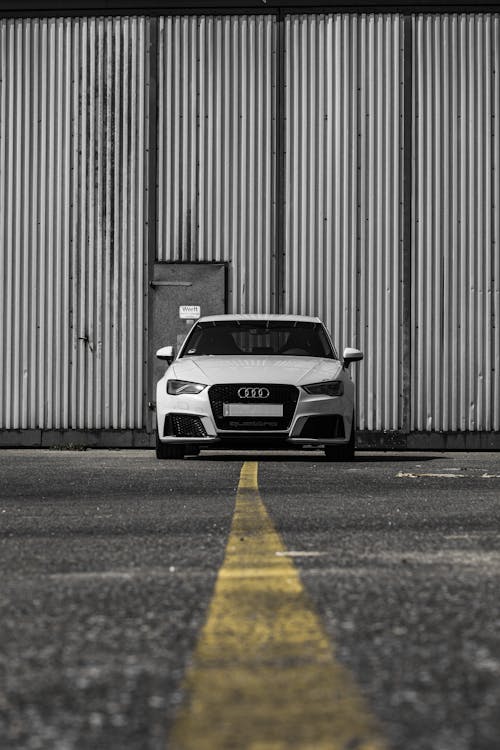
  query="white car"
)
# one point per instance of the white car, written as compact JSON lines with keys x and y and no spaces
{"x":259,"y":382}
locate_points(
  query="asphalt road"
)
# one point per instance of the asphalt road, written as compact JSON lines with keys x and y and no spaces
{"x":109,"y":561}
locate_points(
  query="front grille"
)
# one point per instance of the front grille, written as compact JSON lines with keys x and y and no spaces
{"x":184,"y":425}
{"x":228,"y":394}
{"x":323,"y":427}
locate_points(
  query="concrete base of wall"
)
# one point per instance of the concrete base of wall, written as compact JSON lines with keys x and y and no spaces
{"x":428,"y":441}
{"x":76,"y":439}
{"x":366,"y":440}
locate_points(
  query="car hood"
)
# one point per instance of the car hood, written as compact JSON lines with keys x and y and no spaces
{"x":261,"y":369}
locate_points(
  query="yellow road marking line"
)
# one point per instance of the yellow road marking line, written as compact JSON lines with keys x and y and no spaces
{"x":263,"y":675}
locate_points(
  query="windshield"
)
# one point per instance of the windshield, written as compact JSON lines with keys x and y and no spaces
{"x":298,"y":339}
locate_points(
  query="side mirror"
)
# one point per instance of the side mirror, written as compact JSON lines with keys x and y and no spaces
{"x":351,"y":355}
{"x":167,"y":353}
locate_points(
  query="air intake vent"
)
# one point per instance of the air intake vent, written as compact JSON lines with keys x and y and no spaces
{"x":323,"y":426}
{"x":184,"y":425}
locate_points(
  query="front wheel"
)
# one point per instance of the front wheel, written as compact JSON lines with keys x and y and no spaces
{"x":343,"y":452}
{"x":168,"y":451}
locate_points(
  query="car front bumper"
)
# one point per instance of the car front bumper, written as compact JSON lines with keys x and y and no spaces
{"x":316,"y":420}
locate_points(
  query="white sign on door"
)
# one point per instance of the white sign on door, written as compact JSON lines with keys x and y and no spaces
{"x":189,"y":312}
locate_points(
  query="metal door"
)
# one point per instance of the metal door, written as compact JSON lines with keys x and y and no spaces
{"x":175,"y":286}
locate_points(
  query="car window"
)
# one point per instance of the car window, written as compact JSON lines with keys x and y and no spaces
{"x":299,"y":339}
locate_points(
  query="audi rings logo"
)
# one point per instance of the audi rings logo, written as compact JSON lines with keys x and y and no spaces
{"x":253,"y":393}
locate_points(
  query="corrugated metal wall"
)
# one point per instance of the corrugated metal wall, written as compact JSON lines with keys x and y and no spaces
{"x":217,"y":148}
{"x":74,"y":158}
{"x":73,"y":171}
{"x":456,"y":223}
{"x":343,"y":234}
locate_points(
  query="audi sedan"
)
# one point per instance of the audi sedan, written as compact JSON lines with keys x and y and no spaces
{"x":258,"y":382}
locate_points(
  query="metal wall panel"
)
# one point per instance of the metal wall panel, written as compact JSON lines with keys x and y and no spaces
{"x":343,"y":197}
{"x":217,"y":149}
{"x":73,"y":201}
{"x":73,"y":143}
{"x":456,"y":223}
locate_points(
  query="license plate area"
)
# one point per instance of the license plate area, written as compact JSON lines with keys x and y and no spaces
{"x":252,"y":410}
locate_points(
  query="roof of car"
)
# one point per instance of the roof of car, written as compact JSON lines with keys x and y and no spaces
{"x":261,"y":316}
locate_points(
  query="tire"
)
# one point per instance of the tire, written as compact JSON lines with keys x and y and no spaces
{"x":168,"y":451}
{"x":343,"y":452}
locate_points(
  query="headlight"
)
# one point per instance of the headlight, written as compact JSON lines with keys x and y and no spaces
{"x":180,"y":387}
{"x":331,"y":388}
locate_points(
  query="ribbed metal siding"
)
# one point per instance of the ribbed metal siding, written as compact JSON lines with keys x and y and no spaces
{"x":217,"y":148}
{"x":73,"y":140}
{"x":456,"y":230}
{"x":343,"y":235}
